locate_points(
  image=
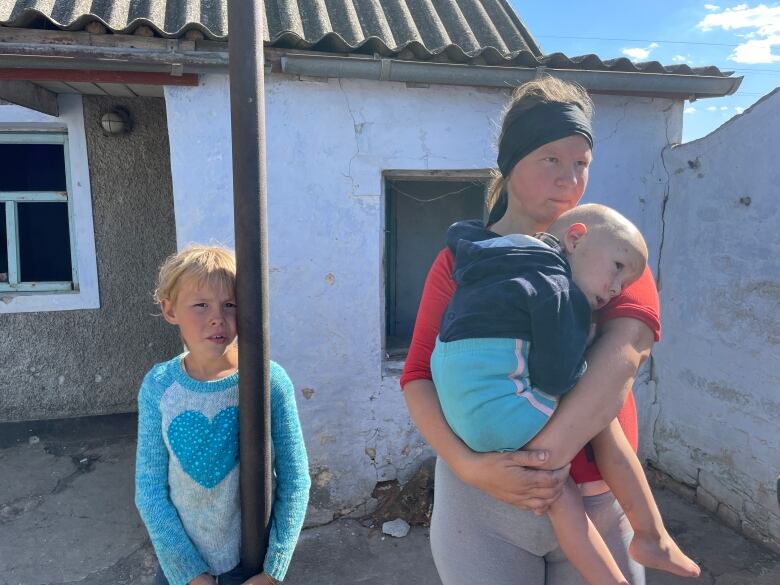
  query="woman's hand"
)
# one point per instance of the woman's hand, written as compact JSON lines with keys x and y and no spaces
{"x":203,"y":579}
{"x":510,"y":477}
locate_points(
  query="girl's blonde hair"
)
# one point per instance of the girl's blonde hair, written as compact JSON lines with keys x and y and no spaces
{"x":546,"y":89}
{"x":206,"y":265}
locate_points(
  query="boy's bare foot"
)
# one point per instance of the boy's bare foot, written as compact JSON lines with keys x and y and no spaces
{"x":662,"y":553}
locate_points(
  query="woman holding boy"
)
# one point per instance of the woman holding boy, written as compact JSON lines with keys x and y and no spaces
{"x":484,"y":529}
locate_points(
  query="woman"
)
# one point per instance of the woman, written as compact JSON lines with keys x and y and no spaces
{"x":486,"y":525}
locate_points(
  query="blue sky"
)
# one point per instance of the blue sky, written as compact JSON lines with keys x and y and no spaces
{"x":743,"y":37}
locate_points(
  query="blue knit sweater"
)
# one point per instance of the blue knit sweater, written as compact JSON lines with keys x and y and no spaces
{"x":186,"y":477}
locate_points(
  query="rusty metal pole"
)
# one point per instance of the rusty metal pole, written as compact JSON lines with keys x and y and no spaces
{"x":247,"y":110}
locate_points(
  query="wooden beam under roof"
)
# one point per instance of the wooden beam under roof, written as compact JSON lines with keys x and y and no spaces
{"x":29,"y":95}
{"x":86,"y":76}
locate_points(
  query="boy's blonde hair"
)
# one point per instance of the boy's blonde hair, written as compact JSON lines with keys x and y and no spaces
{"x":206,"y":265}
{"x":597,"y":217}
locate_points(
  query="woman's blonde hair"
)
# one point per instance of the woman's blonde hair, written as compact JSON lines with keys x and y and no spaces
{"x":206,"y":265}
{"x":546,"y":89}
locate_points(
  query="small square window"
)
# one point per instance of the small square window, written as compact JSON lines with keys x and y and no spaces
{"x":418,"y":211}
{"x":36,"y":253}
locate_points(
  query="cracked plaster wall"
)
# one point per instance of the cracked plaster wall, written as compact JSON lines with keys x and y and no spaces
{"x":88,"y":362}
{"x":717,"y":371}
{"x":328,"y":143}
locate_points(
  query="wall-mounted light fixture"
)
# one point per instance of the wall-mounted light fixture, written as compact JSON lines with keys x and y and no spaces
{"x":117,"y":121}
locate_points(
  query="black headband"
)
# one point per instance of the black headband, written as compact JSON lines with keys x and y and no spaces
{"x":543,"y":123}
{"x":530,"y":129}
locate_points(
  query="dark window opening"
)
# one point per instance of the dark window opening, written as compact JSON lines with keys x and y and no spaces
{"x":44,"y":242}
{"x":3,"y":246}
{"x":418,"y":213}
{"x":32,"y":167}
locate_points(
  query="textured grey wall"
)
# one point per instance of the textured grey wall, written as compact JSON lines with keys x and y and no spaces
{"x":75,"y":363}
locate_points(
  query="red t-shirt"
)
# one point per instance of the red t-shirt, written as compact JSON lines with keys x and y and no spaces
{"x":638,"y":301}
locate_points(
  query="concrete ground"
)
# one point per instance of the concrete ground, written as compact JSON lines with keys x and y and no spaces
{"x":67,"y":517}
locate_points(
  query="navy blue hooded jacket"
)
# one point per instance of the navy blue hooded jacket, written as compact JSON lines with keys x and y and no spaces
{"x":520,"y":289}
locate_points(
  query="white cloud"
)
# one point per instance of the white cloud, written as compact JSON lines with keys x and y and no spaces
{"x":762,"y":26}
{"x":636,"y":53}
{"x":639,"y":53}
{"x":739,"y":109}
{"x":690,"y":110}
{"x":764,"y":18}
{"x":712,"y":108}
{"x":682,"y":59}
{"x":757,"y":51}
{"x":711,"y":7}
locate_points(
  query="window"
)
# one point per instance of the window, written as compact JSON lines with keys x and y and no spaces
{"x":47,"y":237}
{"x":36,"y":219}
{"x":419,"y":207}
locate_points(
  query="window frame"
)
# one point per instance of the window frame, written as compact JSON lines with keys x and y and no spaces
{"x":17,"y":119}
{"x":397,"y":356}
{"x":12,"y":198}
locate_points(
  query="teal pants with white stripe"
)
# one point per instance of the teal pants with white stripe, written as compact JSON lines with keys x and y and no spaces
{"x":486,"y":393}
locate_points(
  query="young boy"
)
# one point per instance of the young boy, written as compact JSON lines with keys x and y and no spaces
{"x":512,"y":342}
{"x":187,"y":485}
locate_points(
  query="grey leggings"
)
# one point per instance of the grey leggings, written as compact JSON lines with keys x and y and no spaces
{"x":477,"y":539}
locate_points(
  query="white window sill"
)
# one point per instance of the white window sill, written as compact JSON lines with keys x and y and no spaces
{"x":32,"y":302}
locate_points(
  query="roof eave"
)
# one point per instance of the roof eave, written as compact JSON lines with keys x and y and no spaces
{"x":176,"y":59}
{"x":668,"y":85}
{"x":690,"y":87}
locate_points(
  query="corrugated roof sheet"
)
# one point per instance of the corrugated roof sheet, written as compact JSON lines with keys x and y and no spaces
{"x":385,"y":26}
{"x":460,"y":31}
{"x":595,"y":63}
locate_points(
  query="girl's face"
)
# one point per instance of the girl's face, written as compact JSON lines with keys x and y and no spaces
{"x":549,"y":180}
{"x":206,"y":316}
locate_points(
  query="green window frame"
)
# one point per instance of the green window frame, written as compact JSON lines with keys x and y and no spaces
{"x":11,"y":199}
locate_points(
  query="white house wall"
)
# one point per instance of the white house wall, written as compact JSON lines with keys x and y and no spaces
{"x":328,"y":143}
{"x":627,"y":172}
{"x":718,"y":368}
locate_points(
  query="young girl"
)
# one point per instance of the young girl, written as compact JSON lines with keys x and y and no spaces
{"x":187,"y":485}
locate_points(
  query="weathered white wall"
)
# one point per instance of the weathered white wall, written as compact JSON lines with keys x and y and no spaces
{"x":328,"y":143}
{"x":716,"y":417}
{"x":627,"y":172}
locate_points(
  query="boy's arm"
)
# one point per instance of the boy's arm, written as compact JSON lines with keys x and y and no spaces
{"x":178,"y":557}
{"x":560,"y":325}
{"x":292,"y":475}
